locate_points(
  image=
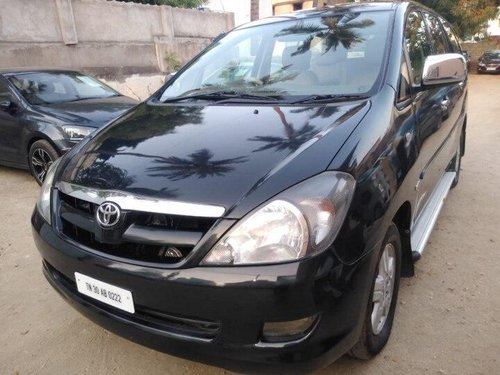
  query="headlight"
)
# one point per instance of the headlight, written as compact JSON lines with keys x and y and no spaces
{"x":482,"y":64}
{"x":77,"y":133}
{"x":43,"y":203}
{"x":302,"y":220}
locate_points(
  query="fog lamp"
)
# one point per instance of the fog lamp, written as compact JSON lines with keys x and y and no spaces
{"x":288,"y":331}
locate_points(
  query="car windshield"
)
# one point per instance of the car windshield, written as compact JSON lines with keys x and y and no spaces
{"x":337,"y":54}
{"x":59,"y":87}
{"x":492,"y":55}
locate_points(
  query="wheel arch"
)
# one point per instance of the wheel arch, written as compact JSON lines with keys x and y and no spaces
{"x":402,"y":219}
{"x":40,"y":137}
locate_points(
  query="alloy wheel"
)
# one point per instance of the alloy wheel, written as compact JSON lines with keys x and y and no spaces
{"x":384,"y":288}
{"x":41,"y":162}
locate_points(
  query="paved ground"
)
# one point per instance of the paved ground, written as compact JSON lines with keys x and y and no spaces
{"x":448,"y":318}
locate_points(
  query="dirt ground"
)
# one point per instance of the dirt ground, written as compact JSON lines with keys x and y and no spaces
{"x":447,"y":321}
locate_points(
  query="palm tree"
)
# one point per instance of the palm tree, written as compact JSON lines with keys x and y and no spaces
{"x":334,"y":30}
{"x":199,"y":164}
{"x":292,"y":140}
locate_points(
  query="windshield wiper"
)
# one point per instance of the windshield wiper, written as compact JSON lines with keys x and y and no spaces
{"x":328,"y":98}
{"x":225,"y":96}
{"x":81,"y":98}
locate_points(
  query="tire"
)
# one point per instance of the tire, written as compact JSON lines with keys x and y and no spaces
{"x":456,"y":162}
{"x":375,"y":333}
{"x":40,"y":158}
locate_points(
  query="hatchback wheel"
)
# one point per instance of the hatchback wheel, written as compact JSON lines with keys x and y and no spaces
{"x":383,"y":299}
{"x":41,"y":157}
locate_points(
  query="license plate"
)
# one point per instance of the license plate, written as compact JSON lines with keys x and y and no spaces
{"x":104,"y":292}
{"x":491,"y":68}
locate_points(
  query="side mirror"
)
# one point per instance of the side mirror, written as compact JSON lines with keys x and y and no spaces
{"x":444,"y":69}
{"x":5,"y":105}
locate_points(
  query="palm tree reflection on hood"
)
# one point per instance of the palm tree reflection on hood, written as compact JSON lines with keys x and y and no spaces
{"x":292,"y":140}
{"x":199,"y":164}
{"x":334,"y":31}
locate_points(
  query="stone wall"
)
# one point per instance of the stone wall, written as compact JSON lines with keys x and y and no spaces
{"x":104,"y":37}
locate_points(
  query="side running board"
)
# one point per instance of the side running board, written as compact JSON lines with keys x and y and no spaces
{"x":422,"y":228}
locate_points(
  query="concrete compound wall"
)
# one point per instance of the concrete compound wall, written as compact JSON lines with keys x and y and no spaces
{"x":104,"y":37}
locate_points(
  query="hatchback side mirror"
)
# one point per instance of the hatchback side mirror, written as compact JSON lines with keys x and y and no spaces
{"x":444,"y":69}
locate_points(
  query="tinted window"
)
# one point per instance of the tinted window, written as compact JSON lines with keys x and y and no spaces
{"x":417,"y":44}
{"x":47,"y":88}
{"x":337,"y":54}
{"x":455,"y":45}
{"x":437,"y":35}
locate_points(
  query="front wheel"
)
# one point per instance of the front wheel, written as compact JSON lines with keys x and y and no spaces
{"x":383,"y":299}
{"x":40,"y":158}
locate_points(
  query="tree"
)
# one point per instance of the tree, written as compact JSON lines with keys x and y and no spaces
{"x":172,"y":3}
{"x":468,"y":17}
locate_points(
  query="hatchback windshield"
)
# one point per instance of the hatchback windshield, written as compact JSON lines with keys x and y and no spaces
{"x":338,"y":54}
{"x":58,"y":87}
{"x":492,"y":55}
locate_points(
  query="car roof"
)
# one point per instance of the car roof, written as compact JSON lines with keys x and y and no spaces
{"x":12,"y":71}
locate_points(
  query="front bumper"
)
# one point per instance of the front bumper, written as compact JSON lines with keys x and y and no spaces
{"x":228,"y":305}
{"x":489,"y":69}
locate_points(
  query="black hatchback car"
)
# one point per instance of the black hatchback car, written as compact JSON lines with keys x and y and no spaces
{"x":43,"y":113}
{"x":489,"y":62}
{"x":264,"y":219}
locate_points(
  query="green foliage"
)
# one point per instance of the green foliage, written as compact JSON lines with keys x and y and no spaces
{"x":172,"y":3}
{"x":173,"y":62}
{"x":468,"y":17}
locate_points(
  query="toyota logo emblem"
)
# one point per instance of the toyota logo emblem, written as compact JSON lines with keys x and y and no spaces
{"x":108,"y":214}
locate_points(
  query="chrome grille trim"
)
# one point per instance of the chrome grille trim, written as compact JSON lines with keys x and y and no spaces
{"x":131,"y":202}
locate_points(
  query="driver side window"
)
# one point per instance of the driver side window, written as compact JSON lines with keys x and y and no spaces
{"x":417,"y":44}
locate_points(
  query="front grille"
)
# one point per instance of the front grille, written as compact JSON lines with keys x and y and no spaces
{"x":193,"y":327}
{"x":140,"y":236}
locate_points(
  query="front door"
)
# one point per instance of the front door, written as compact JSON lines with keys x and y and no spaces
{"x":434,"y":110}
{"x":10,"y":128}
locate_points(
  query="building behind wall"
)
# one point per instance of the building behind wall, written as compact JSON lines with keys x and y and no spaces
{"x":241,"y":9}
{"x":287,"y":6}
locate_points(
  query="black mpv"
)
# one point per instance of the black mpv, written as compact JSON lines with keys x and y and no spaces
{"x":258,"y":211}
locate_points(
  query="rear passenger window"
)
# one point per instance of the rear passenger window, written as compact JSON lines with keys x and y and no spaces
{"x":455,"y":45}
{"x":417,"y":44}
{"x":438,"y":38}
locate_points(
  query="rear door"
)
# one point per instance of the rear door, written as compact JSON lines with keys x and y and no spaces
{"x":10,"y":127}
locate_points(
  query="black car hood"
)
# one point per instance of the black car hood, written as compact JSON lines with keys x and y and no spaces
{"x":90,"y":112}
{"x":236,"y":156}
